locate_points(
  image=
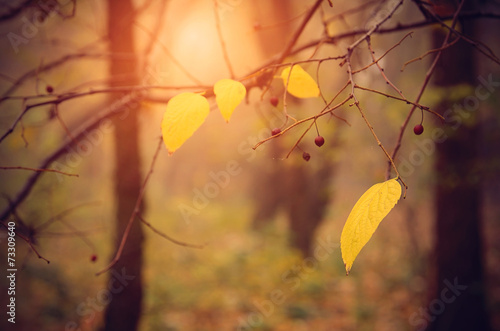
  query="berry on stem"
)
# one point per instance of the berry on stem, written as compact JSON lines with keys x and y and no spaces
{"x":306,"y":156}
{"x":319,"y":141}
{"x":93,"y":258}
{"x":418,"y":129}
{"x":274,"y":101}
{"x":49,"y":89}
{"x":276,"y":131}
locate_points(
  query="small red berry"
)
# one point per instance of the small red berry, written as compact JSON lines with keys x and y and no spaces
{"x":274,"y":101}
{"x":418,"y":129}
{"x":276,"y":131}
{"x":93,"y":258}
{"x":49,"y":89}
{"x":319,"y":141}
{"x":306,"y":156}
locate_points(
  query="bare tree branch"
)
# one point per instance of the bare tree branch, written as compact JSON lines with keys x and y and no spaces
{"x":299,"y":31}
{"x":427,"y":78}
{"x":161,"y":234}
{"x":47,"y":67}
{"x":27,"y":240}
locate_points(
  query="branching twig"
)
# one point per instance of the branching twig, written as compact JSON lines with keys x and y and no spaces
{"x":474,"y":43}
{"x":382,"y":72}
{"x":427,"y":78}
{"x":61,"y":215}
{"x":375,"y":26}
{"x":421,"y":57}
{"x":356,"y":103}
{"x":311,"y":118}
{"x":28,"y":241}
{"x":136,"y":210}
{"x":348,"y":57}
{"x":169,"y":54}
{"x":425,"y":108}
{"x":399,"y":27}
{"x":375,"y":61}
{"x":353,"y":10}
{"x":47,"y":67}
{"x":56,"y":100}
{"x":64,"y":126}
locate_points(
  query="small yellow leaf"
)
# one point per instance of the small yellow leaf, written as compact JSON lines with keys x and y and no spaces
{"x":300,"y":83}
{"x":184,"y":114}
{"x":228,"y":95}
{"x":365,"y":217}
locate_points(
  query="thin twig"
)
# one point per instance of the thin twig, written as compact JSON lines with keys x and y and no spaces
{"x":310,"y":118}
{"x":299,"y":31}
{"x":65,"y":127}
{"x":28,"y":241}
{"x":421,"y":57}
{"x":352,"y":95}
{"x":160,"y":20}
{"x":375,"y":61}
{"x":381,"y":70}
{"x":47,"y":67}
{"x":396,"y":28}
{"x":473,"y":42}
{"x":427,"y":78}
{"x":280,"y":23}
{"x":175,"y":241}
{"x":375,"y":26}
{"x":169,"y":54}
{"x":353,"y":10}
{"x":136,"y":210}
{"x":39,"y":170}
{"x":288,"y":48}
{"x":62,"y":214}
{"x":401,"y":99}
{"x":285,"y":93}
{"x":221,"y":40}
{"x":370,"y":127}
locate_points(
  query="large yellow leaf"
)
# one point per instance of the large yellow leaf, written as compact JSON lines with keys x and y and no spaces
{"x":300,"y":83}
{"x":365,"y":217}
{"x":228,"y":95}
{"x":184,"y":115}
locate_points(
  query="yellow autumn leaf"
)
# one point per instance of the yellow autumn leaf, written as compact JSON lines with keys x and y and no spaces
{"x":365,"y":217}
{"x":184,"y":114}
{"x":300,"y":83}
{"x":228,"y":95}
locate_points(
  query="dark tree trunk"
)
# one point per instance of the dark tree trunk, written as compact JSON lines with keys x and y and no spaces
{"x":124,"y":309}
{"x":457,"y":301}
{"x":307,"y":203}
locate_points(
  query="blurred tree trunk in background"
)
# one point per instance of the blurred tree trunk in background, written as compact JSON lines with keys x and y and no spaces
{"x":457,"y":299}
{"x":308,"y":202}
{"x":301,"y":190}
{"x":124,"y":309}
